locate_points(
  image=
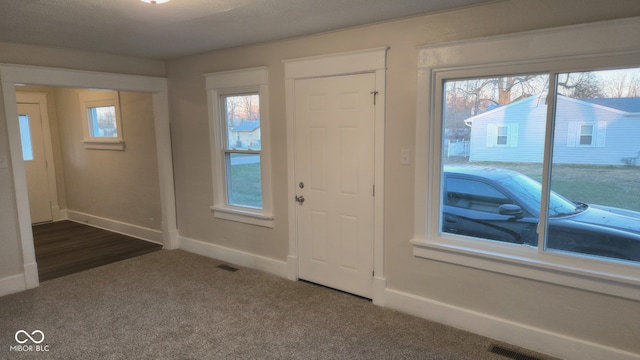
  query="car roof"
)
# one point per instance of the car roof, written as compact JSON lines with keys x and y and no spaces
{"x":486,"y":172}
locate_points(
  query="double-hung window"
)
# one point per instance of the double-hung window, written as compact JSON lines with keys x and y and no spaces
{"x":548,"y":190}
{"x":239,"y":146}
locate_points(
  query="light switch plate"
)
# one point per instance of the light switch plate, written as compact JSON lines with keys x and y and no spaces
{"x":405,"y":157}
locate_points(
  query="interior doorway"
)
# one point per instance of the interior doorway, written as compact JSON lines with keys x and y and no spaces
{"x":13,"y":75}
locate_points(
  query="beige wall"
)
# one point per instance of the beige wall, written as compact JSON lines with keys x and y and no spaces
{"x":592,"y":317}
{"x":76,"y":59}
{"x":116,"y":185}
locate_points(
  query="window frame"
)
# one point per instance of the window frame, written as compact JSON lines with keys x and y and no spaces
{"x":591,"y":135}
{"x":218,"y":86}
{"x":100,"y":98}
{"x":549,"y":51}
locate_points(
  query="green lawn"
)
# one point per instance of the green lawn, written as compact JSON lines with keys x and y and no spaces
{"x":245,"y":186}
{"x":617,"y":186}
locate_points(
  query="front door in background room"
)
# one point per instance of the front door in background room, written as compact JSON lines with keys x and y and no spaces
{"x":334,"y":172}
{"x":35,"y":163}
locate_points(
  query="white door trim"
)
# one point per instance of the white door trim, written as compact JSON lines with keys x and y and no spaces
{"x":41,"y":100}
{"x":10,"y":75}
{"x":355,"y":62}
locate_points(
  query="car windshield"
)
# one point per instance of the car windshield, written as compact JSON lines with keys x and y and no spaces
{"x":529,"y":191}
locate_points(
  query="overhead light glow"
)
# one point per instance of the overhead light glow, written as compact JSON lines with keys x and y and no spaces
{"x":153,"y":2}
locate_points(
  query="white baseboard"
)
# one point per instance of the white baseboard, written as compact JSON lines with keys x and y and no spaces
{"x":542,"y":341}
{"x":139,"y":232}
{"x":12,"y":284}
{"x":237,"y":257}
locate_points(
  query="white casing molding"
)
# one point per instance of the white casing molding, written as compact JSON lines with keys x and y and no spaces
{"x":10,"y":75}
{"x":353,"y":62}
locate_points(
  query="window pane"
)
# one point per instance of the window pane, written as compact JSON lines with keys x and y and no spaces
{"x":493,"y":146}
{"x":595,"y":164}
{"x":502,"y":135}
{"x":102,"y":121}
{"x":244,"y":187}
{"x":25,"y":137}
{"x":242,"y":114}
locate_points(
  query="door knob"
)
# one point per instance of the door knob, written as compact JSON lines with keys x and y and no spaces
{"x":300,"y":199}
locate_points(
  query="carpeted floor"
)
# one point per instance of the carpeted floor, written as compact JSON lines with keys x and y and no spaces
{"x":177,"y":305}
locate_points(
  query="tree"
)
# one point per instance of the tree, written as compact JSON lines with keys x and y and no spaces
{"x":580,"y":85}
{"x":242,"y":107}
{"x":622,"y":83}
{"x":469,"y":97}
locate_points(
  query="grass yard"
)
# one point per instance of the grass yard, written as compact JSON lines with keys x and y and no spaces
{"x":617,"y":186}
{"x":245,"y":188}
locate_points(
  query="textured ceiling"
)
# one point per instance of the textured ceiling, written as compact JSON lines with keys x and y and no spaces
{"x":183,"y":27}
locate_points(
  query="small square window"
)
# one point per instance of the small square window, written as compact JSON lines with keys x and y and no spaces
{"x":101,"y":120}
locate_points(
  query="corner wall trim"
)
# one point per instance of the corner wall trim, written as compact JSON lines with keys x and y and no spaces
{"x":518,"y":334}
{"x":236,"y":257}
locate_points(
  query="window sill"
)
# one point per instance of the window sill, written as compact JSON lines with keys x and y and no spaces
{"x":551,"y":268}
{"x":104,"y":145}
{"x":243,"y":216}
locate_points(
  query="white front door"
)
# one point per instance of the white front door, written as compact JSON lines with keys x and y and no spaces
{"x":35,"y":162}
{"x":334,"y":172}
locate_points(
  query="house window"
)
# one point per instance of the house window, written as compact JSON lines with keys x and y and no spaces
{"x":586,"y":135}
{"x":568,"y":211}
{"x":25,"y":137}
{"x":101,"y":120}
{"x":242,"y":151}
{"x":239,"y":125}
{"x":592,"y":134}
{"x":584,"y":219}
{"x":503,"y":134}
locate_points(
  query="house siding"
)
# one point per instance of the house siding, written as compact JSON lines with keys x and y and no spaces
{"x":615,"y":133}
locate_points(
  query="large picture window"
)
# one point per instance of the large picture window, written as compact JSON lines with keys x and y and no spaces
{"x":527,"y":166}
{"x":502,"y":194}
{"x":239,"y":147}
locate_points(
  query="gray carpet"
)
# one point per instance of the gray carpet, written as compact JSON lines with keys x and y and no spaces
{"x":177,"y":305}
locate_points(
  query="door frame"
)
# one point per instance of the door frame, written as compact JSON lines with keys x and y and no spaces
{"x":339,"y":64}
{"x":11,"y":75}
{"x":41,"y":99}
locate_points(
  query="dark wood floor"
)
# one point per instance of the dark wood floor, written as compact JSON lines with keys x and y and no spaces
{"x":67,"y":247}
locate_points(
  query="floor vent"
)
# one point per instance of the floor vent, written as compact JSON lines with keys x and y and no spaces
{"x":496,"y":349}
{"x":227,"y":267}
